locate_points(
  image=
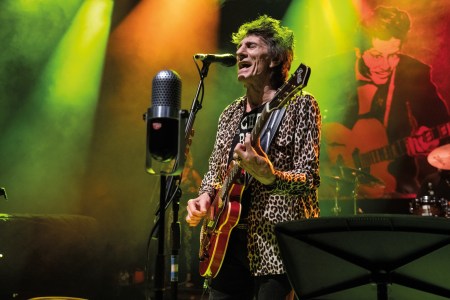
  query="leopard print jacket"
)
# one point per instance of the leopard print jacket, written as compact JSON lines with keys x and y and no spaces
{"x":294,"y":153}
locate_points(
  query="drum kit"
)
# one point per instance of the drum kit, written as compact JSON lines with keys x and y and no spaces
{"x":433,"y":204}
{"x":428,"y":205}
{"x":350,"y":177}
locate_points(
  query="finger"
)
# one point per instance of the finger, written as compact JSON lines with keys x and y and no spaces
{"x":236,"y":156}
{"x":193,"y":209}
{"x":248,"y":141}
{"x":190,"y":204}
{"x":239,"y":149}
{"x":191,"y":222}
{"x":204,"y":208}
{"x":188,"y":219}
{"x":189,"y":214}
{"x":197,"y":213}
{"x":194,"y":215}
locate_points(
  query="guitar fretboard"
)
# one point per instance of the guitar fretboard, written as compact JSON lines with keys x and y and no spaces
{"x":398,"y":148}
{"x":295,"y":83}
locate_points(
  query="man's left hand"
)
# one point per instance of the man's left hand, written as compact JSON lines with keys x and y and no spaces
{"x":254,"y":161}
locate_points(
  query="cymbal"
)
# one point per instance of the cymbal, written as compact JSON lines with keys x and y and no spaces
{"x":351,"y":174}
{"x":440,"y":157}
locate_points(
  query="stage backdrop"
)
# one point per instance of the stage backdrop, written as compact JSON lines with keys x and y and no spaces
{"x":363,"y":148}
{"x":75,"y":80}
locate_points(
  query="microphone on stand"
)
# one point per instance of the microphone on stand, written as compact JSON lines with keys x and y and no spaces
{"x":165,"y":126}
{"x":228,"y":60}
{"x":165,"y":155}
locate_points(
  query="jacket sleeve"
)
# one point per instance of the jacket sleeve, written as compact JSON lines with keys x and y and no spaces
{"x":303,"y":126}
{"x":218,"y":161}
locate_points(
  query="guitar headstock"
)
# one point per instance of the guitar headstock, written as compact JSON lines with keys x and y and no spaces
{"x":296,"y":82}
{"x":301,"y":75}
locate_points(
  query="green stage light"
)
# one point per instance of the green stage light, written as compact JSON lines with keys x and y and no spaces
{"x":48,"y":139}
{"x":323,"y":29}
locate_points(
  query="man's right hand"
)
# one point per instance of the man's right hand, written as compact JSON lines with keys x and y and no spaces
{"x":197,"y":209}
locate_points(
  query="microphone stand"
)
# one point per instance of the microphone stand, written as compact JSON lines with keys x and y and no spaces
{"x":171,"y":192}
{"x":160,"y":258}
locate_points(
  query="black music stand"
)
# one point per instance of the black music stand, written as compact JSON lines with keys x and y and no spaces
{"x":367,"y":257}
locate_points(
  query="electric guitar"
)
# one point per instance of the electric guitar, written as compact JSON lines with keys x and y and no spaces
{"x":224,"y":212}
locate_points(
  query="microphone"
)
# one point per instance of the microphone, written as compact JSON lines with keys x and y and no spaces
{"x":164,"y":127}
{"x":228,"y":60}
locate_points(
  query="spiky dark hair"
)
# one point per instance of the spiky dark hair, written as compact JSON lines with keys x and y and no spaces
{"x":280,"y":40}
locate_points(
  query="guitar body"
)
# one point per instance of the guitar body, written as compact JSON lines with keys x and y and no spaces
{"x":216,"y":231}
{"x":344,"y":146}
{"x":370,"y":134}
{"x":339,"y":144}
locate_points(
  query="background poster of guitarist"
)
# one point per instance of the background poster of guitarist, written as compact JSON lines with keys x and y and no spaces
{"x":383,"y":112}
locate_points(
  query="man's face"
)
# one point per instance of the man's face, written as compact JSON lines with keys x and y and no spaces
{"x":382,"y":59}
{"x":253,"y":60}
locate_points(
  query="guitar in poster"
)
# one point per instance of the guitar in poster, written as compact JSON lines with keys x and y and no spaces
{"x":366,"y":147}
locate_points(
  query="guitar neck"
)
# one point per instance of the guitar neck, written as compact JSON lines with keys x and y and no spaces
{"x":398,"y":148}
{"x":295,"y":83}
{"x":388,"y":152}
{"x":233,"y":172}
{"x":259,"y":125}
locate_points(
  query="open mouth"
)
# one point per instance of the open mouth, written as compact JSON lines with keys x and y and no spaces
{"x":244,"y":65}
{"x":383,"y":75}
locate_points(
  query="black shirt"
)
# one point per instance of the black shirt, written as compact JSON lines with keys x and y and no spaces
{"x":246,"y":125}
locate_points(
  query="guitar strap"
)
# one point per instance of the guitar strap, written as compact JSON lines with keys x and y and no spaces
{"x":268,"y":132}
{"x":271,"y":127}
